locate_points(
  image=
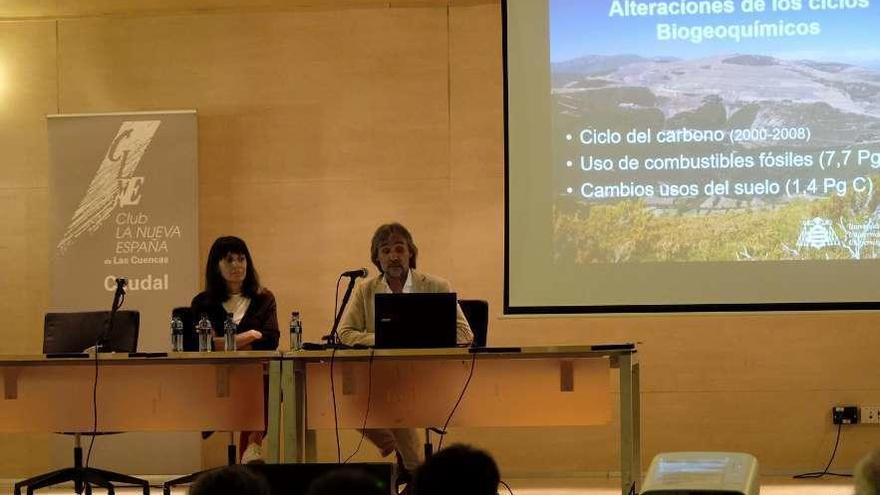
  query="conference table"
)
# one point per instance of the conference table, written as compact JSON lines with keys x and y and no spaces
{"x":184,"y":391}
{"x":404,"y":388}
{"x":428,"y":388}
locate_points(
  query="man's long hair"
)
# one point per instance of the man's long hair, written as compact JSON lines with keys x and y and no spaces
{"x":381,"y":236}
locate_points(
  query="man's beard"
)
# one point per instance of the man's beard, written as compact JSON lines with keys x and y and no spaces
{"x":395,"y":271}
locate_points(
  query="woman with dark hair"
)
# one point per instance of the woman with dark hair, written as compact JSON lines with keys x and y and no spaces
{"x":232,"y":286}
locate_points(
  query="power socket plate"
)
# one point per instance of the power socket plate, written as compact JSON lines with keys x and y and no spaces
{"x":845,"y":415}
{"x":870,"y":415}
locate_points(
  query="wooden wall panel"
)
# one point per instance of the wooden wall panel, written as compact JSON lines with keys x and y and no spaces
{"x":27,"y":93}
{"x":41,"y":9}
{"x":317,"y":123}
{"x":328,"y":95}
{"x":476,"y":75}
{"x":314,"y":127}
{"x":477,"y":153}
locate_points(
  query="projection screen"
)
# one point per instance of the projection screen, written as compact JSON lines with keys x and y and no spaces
{"x":691,"y":155}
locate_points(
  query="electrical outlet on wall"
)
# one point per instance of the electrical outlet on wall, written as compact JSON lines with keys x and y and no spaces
{"x":845,"y":415}
{"x":870,"y":414}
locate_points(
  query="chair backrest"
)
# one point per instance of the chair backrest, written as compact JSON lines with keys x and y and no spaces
{"x":477,"y":313}
{"x":75,"y":332}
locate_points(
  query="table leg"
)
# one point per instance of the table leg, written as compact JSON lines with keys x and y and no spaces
{"x":274,"y":417}
{"x":293,"y":389}
{"x":630,"y":462}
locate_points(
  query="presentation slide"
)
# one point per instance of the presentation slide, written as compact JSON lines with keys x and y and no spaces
{"x":692,"y":154}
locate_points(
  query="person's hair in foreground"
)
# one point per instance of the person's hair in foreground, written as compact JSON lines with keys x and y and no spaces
{"x":867,"y":474}
{"x":458,"y":469}
{"x":231,"y":480}
{"x":347,"y":481}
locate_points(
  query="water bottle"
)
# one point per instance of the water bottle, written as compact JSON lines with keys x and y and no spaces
{"x":296,"y":332}
{"x":205,"y":331}
{"x":229,"y":330}
{"x":176,"y":334}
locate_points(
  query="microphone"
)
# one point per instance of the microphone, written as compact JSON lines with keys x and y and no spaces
{"x":360,"y":272}
{"x":121,"y":282}
{"x":333,"y":338}
{"x":118,"y":297}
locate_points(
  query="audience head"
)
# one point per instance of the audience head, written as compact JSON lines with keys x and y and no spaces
{"x":867,"y":474}
{"x":347,"y":481}
{"x":230,"y":480}
{"x":223,"y":251}
{"x":458,"y":469}
{"x":389,"y":233}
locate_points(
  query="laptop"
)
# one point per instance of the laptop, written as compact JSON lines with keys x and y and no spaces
{"x":416,"y":321}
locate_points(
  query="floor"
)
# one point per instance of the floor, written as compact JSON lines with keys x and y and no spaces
{"x":577,"y":486}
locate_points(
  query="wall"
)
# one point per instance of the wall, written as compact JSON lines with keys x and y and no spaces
{"x":318,"y":121}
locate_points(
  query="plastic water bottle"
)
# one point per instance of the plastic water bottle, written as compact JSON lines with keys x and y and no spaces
{"x":206,"y":332}
{"x":296,"y":332}
{"x":176,"y":334}
{"x":229,"y":331}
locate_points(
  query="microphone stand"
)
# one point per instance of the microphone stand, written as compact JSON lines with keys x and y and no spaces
{"x":118,"y":298}
{"x":333,"y":338}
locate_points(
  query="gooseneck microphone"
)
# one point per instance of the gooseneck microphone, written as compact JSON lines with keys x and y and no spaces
{"x":333,"y":338}
{"x":119,"y":296}
{"x":359,"y":273}
{"x":118,"y":299}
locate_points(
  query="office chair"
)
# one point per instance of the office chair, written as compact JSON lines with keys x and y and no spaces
{"x":76,"y":332}
{"x":476,"y":311}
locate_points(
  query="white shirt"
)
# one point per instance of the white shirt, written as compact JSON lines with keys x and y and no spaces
{"x":237,"y":304}
{"x":407,"y":286}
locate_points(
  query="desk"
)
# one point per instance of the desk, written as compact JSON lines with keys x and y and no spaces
{"x":417,"y":388}
{"x":186,"y":391}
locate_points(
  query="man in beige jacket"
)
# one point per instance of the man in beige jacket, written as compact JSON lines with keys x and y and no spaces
{"x":394,"y":253}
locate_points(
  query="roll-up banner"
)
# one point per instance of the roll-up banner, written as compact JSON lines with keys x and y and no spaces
{"x":124,"y":199}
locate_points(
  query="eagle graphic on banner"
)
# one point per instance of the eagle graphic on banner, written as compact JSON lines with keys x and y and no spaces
{"x":114,"y":184}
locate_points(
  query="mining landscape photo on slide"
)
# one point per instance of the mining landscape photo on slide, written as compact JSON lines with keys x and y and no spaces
{"x":716,"y":135}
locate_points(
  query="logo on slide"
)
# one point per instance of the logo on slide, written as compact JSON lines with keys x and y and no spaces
{"x":817,"y":234}
{"x":114,"y":184}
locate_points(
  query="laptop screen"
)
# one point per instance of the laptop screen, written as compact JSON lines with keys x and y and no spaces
{"x":417,"y":320}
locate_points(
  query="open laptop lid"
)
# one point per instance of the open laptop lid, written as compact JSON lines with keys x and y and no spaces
{"x":417,"y":320}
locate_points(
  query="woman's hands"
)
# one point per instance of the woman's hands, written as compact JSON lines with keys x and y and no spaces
{"x":243,"y":340}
